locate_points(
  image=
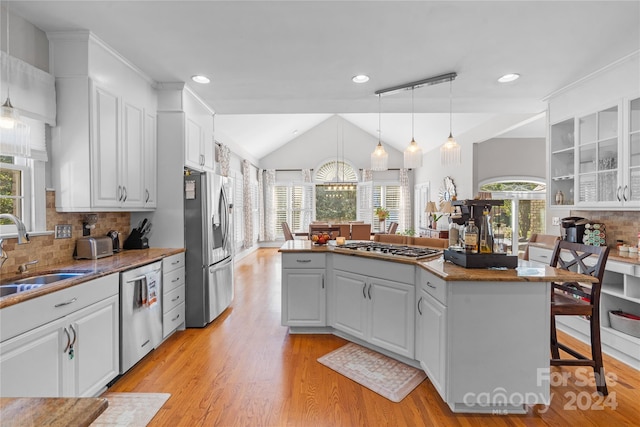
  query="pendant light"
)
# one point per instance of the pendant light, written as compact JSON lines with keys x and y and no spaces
{"x":14,"y":133}
{"x":379,"y":157}
{"x":413,"y":153}
{"x":450,"y":150}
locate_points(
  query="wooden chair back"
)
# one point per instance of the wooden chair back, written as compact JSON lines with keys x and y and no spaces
{"x":392,"y":228}
{"x":287,"y":231}
{"x":394,"y":239}
{"x":572,"y":256}
{"x":360,"y":231}
{"x":429,"y":241}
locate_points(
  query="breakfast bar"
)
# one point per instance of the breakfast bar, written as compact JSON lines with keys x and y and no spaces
{"x":481,"y":335}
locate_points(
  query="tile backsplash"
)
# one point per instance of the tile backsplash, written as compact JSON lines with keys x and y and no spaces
{"x":48,"y":250}
{"x":619,"y":225}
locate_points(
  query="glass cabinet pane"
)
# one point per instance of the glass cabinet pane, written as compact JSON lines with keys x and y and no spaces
{"x":608,"y":155}
{"x":587,"y":129}
{"x":562,"y":164}
{"x":634,"y":184}
{"x":607,"y":184}
{"x":562,"y":135}
{"x":608,"y":123}
{"x":634,"y":151}
{"x":587,"y":158}
{"x":635,"y":115}
{"x":587,"y":188}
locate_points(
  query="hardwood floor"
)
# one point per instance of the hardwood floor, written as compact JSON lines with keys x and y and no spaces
{"x":244,"y":369}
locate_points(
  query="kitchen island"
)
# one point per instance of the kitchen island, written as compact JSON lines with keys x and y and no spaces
{"x":481,"y":335}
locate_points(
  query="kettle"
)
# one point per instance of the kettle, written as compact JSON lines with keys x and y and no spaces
{"x":115,"y":240}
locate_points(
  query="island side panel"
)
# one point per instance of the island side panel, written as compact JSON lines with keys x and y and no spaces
{"x":499,"y":344}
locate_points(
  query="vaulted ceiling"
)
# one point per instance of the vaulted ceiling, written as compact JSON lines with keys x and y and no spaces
{"x":279,"y":68}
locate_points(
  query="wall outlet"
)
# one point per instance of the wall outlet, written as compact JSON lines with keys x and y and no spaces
{"x":63,"y":231}
{"x":555,"y":220}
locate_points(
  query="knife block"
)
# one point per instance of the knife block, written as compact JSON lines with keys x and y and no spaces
{"x":136,"y":241}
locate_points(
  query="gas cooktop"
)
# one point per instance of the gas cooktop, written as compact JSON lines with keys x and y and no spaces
{"x":386,"y":249}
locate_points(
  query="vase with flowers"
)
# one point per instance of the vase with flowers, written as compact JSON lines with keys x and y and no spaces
{"x":382,"y":214}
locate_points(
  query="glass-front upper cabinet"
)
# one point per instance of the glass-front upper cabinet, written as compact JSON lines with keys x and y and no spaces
{"x":562,"y":147}
{"x":631,"y":188}
{"x":598,"y":174}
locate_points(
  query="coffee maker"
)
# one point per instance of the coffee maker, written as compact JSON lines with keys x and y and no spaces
{"x":572,"y":229}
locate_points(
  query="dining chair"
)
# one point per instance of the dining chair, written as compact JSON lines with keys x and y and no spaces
{"x":360,"y":231}
{"x":392,"y":228}
{"x":345,"y":230}
{"x":579,"y":299}
{"x":287,"y":231}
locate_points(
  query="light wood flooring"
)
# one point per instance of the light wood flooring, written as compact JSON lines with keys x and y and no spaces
{"x":244,"y":369}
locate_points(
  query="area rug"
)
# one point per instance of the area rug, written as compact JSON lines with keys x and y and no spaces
{"x":130,"y":409}
{"x":387,"y":377}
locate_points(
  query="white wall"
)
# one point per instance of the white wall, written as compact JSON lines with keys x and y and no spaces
{"x":26,"y":41}
{"x":324,"y":142}
{"x":509,"y":157}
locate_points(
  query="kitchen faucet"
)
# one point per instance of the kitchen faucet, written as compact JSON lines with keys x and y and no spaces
{"x":23,"y":237}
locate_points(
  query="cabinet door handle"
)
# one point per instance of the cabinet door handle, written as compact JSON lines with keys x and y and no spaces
{"x":71,"y":301}
{"x":175,"y":280}
{"x":75,"y":336}
{"x":146,"y":200}
{"x":364,"y":291}
{"x":124,"y":190}
{"x":369,"y":291}
{"x":303,"y":260}
{"x":419,"y":302}
{"x":430,"y":285}
{"x":66,"y":332}
{"x":323,"y":281}
{"x":624,"y":193}
{"x":119,"y":193}
{"x":618,"y":193}
{"x":176,"y":299}
{"x":175,"y":318}
{"x":175,"y":262}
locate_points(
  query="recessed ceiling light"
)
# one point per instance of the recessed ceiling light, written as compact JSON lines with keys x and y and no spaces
{"x":509,"y":78}
{"x":360,"y":78}
{"x":200,"y":79}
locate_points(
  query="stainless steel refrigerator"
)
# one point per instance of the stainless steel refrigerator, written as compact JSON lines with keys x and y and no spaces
{"x":209,"y":248}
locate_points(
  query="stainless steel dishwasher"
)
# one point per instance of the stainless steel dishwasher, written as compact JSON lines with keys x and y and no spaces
{"x":140,"y":313}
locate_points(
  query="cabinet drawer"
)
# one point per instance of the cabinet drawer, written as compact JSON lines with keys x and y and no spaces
{"x":172,"y":280}
{"x":303,"y":260}
{"x":434,"y":286}
{"x":172,"y":299}
{"x":173,"y":262}
{"x":172,"y":319}
{"x":540,"y":255}
{"x":24,"y":316}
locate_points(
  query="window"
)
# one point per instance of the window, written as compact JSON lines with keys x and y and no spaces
{"x":14,"y":191}
{"x":373,"y":195}
{"x":294,"y":205}
{"x":523,"y":212}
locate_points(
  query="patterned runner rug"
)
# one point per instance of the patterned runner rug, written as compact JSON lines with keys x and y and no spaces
{"x":387,"y":377}
{"x":130,"y":409}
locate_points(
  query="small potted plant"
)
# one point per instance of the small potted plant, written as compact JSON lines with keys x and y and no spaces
{"x":382,"y":215}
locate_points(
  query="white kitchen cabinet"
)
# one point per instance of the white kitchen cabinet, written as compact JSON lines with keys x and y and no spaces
{"x":303,"y":290}
{"x":630,"y":191}
{"x":431,"y":329}
{"x":35,"y":352}
{"x":199,"y":149}
{"x":173,"y":294}
{"x":102,"y":155}
{"x":150,"y":160}
{"x":376,"y":309}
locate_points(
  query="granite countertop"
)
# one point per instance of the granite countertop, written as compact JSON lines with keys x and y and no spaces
{"x":614,"y":254}
{"x":526,"y":272}
{"x":52,"y":412}
{"x":93,"y":268}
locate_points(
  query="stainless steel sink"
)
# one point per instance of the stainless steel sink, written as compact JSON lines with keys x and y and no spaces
{"x":34,"y":282}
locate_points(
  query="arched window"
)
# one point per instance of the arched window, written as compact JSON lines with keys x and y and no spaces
{"x":336,"y":192}
{"x":527,"y":198}
{"x":336,"y":171}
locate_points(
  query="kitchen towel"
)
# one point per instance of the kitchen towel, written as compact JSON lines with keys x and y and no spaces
{"x":152,"y":286}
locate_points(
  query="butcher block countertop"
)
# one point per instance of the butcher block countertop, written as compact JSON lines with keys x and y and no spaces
{"x":526,"y":271}
{"x":51,"y":412}
{"x":95,"y":268}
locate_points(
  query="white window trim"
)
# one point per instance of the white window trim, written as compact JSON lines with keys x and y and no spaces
{"x":34,"y":206}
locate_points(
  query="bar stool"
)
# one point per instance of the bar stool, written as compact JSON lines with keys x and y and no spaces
{"x":576,"y":299}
